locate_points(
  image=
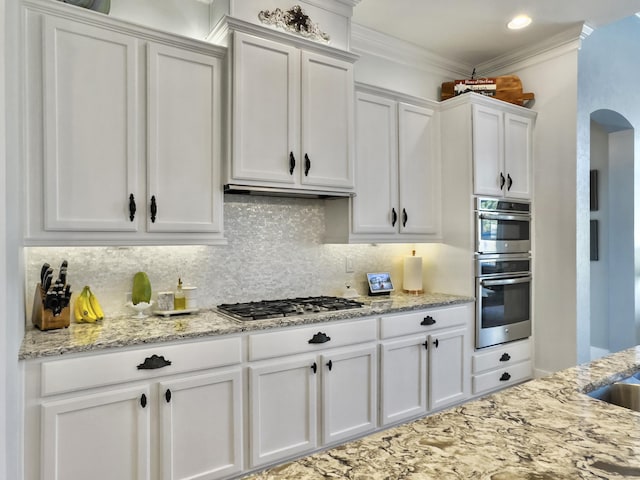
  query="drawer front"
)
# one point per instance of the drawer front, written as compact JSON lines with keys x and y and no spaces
{"x":502,"y":377}
{"x":296,"y":340}
{"x":502,"y":356}
{"x":97,"y":370}
{"x":424,"y":321}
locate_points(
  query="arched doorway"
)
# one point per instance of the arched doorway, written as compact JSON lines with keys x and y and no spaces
{"x":613,"y":220}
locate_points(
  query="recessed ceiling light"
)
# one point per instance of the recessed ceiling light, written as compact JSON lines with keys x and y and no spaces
{"x":519,"y":22}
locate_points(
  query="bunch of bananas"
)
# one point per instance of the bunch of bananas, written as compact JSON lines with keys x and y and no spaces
{"x":87,"y":308}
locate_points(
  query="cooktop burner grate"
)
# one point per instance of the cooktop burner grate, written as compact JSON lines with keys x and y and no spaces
{"x":286,"y":307}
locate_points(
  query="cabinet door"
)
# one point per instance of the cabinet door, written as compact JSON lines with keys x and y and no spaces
{"x":375,"y":207}
{"x":83,"y":436}
{"x":404,"y":379}
{"x":489,"y":177}
{"x":201,"y":427}
{"x":184,"y":142}
{"x":449,"y":368}
{"x":91,"y":107}
{"x":518,"y":153}
{"x":349,"y":391}
{"x":283,"y":409}
{"x":266,"y":111}
{"x":419,"y":170}
{"x":327,"y":122}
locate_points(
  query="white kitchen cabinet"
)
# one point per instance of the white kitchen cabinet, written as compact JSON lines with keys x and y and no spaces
{"x":425,"y":361}
{"x":497,"y":367}
{"x":124,"y":133}
{"x":289,"y":396}
{"x":86,"y":418}
{"x":502,"y":152}
{"x":397,"y":174}
{"x":292,"y":114}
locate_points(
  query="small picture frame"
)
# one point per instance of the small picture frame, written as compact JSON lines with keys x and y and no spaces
{"x":594,"y":255}
{"x":593,"y":190}
{"x":379,"y":283}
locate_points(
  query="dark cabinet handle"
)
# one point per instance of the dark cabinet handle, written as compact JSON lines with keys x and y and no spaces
{"x":436,"y":342}
{"x":428,"y":321}
{"x":292,"y":163}
{"x":314,"y":367}
{"x":505,"y":376}
{"x":319,"y":338}
{"x":405,"y":217}
{"x":330,"y":365}
{"x":501,"y":181}
{"x":426,"y":344}
{"x":143,"y":401}
{"x":394,"y":217}
{"x":505,"y":357}
{"x":167,"y":395}
{"x":153,"y":362}
{"x":307,"y":164}
{"x":132,"y":207}
{"x":509,"y":182}
{"x":154,"y":209}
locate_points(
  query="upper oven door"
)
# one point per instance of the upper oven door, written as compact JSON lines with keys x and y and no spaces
{"x":502,"y":233}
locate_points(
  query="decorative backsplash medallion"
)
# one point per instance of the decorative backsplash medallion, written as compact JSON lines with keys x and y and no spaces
{"x":295,"y":21}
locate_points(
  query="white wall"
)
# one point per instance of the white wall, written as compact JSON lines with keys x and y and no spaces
{"x":4,"y":412}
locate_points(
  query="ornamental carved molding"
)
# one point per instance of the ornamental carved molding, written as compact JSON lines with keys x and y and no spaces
{"x":295,"y":21}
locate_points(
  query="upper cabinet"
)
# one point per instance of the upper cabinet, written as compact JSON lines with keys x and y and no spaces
{"x":397,"y":173}
{"x":123,"y":130}
{"x":502,"y":152}
{"x":292,"y":117}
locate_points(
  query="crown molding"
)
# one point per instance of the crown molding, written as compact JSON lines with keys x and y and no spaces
{"x":555,"y":46}
{"x":372,"y":42}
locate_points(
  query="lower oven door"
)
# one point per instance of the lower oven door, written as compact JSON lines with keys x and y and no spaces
{"x":504,"y":310}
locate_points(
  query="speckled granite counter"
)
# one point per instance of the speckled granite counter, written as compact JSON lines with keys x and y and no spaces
{"x":546,"y":429}
{"x":127,"y":331}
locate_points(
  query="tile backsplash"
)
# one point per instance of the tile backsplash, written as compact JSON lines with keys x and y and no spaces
{"x":274,"y":250}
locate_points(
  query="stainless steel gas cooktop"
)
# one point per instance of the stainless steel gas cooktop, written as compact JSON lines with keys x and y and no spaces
{"x":286,"y":308}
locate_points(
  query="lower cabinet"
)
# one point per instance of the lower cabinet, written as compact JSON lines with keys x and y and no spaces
{"x":424,"y":371}
{"x":289,"y":397}
{"x":103,"y":417}
{"x":498,"y":367}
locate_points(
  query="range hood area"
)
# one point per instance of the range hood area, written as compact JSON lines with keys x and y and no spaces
{"x":232,"y":188}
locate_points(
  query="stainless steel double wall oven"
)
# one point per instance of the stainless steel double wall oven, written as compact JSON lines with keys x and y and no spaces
{"x":503,"y":271}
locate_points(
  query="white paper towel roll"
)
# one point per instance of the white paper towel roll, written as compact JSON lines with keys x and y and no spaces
{"x":412,"y":274}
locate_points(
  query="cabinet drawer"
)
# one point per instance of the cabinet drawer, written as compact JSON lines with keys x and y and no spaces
{"x":410,"y":323}
{"x":502,"y":356}
{"x":105,"y":369}
{"x":501,"y":377}
{"x":287,"y":342}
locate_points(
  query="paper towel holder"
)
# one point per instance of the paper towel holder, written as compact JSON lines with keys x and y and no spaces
{"x":379,"y":283}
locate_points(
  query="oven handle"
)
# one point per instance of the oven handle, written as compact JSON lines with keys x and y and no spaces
{"x":505,"y":281}
{"x":503,"y":216}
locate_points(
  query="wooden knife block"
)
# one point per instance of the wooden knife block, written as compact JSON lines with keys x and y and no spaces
{"x":44,"y":319}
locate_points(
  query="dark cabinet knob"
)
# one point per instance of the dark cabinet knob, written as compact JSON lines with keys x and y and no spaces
{"x":505,"y":376}
{"x":505,"y":357}
{"x":436,"y":342}
{"x":154,"y":209}
{"x":320,"y":338}
{"x":307,"y":164}
{"x":132,"y":207}
{"x":426,"y":344}
{"x":501,"y":181}
{"x":292,"y":163}
{"x":330,"y":365}
{"x":314,"y":367}
{"x":167,"y":395}
{"x":143,"y":400}
{"x":394,"y":217}
{"x":405,"y":217}
{"x":428,"y":321}
{"x":153,"y":362}
{"x":509,"y":182}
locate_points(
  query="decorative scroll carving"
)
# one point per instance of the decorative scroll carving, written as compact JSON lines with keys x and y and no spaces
{"x":295,"y":21}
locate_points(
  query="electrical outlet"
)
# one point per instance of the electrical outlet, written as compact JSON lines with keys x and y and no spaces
{"x":348,"y":265}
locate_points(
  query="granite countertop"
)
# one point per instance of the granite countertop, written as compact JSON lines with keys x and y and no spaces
{"x":127,"y":331}
{"x":545,"y":429}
